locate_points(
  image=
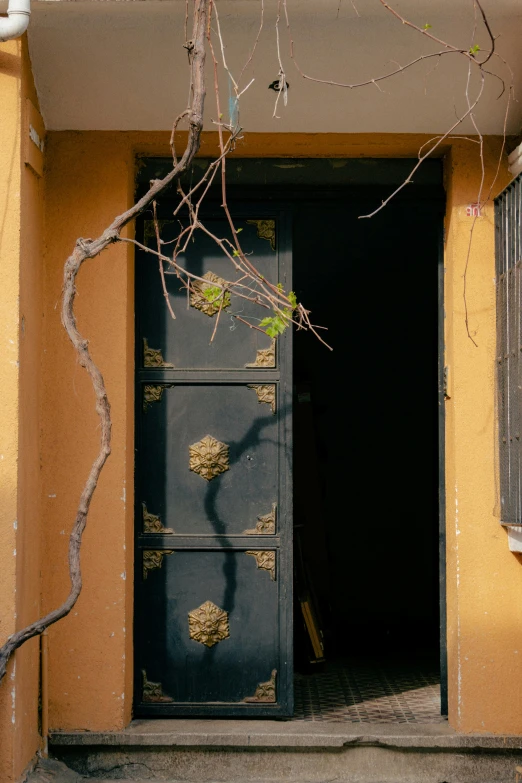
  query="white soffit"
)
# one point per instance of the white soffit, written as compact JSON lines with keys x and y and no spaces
{"x":120,"y":65}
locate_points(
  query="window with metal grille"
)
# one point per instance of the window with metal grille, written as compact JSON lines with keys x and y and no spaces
{"x":508,"y":217}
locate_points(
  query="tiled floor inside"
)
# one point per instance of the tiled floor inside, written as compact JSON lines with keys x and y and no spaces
{"x":368,"y":692}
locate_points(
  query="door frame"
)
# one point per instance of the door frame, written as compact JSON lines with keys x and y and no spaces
{"x":279,"y":194}
{"x":442,"y":391}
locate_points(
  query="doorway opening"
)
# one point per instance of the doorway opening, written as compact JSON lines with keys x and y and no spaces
{"x":366,"y":460}
{"x":367,"y":457}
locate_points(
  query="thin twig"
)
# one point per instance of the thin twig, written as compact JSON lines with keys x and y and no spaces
{"x":426,"y":155}
{"x":160,"y":262}
{"x":253,"y":50}
{"x":282,"y":88}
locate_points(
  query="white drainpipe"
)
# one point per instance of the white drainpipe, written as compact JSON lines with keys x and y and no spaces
{"x":15,"y":25}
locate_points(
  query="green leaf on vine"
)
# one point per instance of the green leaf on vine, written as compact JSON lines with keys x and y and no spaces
{"x":213,"y":292}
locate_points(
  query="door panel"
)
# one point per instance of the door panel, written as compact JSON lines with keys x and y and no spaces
{"x":219,"y":615}
{"x":185,"y":342}
{"x":213,"y":489}
{"x":182,"y":429}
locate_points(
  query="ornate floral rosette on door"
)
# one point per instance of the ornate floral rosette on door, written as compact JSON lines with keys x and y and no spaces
{"x":213,"y":491}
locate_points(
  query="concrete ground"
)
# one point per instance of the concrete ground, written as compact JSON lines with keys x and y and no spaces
{"x":52,"y":771}
{"x":234,"y":751}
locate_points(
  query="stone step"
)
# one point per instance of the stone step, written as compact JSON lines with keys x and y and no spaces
{"x":255,"y":751}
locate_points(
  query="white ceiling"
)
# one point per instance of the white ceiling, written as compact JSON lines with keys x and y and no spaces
{"x":120,"y":64}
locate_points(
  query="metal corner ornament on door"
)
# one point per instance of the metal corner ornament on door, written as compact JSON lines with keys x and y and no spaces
{"x":266,"y":229}
{"x":153,"y":691}
{"x":266,"y":524}
{"x":265,"y":691}
{"x":153,"y":393}
{"x":153,"y":559}
{"x":152,"y":523}
{"x":265,"y":357}
{"x":266,"y":392}
{"x":265,"y":559}
{"x":152,"y":357}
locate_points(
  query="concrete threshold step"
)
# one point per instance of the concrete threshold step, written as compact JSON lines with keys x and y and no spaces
{"x":244,"y":751}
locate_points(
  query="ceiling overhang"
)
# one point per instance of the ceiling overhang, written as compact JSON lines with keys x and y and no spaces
{"x":121,"y":65}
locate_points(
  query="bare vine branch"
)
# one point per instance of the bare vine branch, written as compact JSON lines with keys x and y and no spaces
{"x":90,"y":248}
{"x":249,"y":284}
{"x":160,"y":262}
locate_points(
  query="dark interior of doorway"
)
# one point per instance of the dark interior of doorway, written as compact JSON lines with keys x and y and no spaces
{"x":366,"y":432}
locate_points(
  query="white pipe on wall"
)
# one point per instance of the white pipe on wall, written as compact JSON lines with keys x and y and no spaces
{"x":15,"y":25}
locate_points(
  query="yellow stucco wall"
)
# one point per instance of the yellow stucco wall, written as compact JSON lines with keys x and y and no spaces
{"x":484,"y":578}
{"x":89,"y":180}
{"x":21,"y":215}
{"x":10,"y":254}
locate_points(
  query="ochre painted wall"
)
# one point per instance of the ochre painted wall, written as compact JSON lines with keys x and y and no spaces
{"x":88,"y":181}
{"x":21,"y":217}
{"x":10,"y":175}
{"x":28,"y":584}
{"x":484,"y":578}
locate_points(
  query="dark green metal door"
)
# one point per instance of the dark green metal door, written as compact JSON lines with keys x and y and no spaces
{"x":213,"y":485}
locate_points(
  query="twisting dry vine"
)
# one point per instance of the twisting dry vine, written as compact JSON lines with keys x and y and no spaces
{"x":90,"y":248}
{"x":250,"y":284}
